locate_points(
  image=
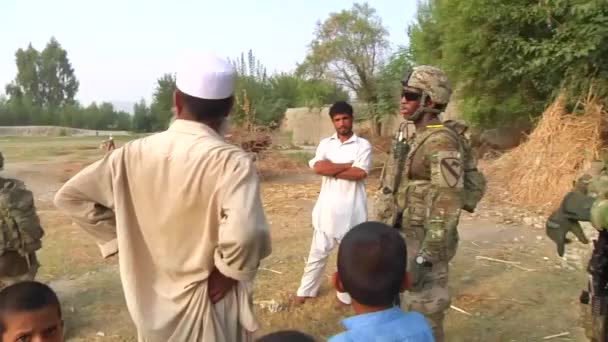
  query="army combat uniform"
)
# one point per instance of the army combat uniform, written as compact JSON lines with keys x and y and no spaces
{"x":426,"y":207}
{"x":20,"y":233}
{"x":588,"y":202}
{"x":430,"y":176}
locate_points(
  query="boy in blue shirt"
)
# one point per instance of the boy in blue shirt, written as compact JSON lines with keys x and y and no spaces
{"x":372,"y":262}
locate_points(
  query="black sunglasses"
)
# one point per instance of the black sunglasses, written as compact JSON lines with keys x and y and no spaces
{"x":410,"y":95}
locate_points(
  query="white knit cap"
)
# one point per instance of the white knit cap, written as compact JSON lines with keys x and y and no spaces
{"x":206,"y":76}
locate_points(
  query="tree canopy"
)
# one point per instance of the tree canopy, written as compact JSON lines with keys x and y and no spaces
{"x":509,"y":58}
{"x":44,"y":90}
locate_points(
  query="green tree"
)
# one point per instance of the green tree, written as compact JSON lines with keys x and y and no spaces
{"x":389,"y":82}
{"x":321,"y":92}
{"x":92,"y":117}
{"x":58,"y":83}
{"x":123,"y":121}
{"x":47,"y":78}
{"x":262,"y":98}
{"x":141,"y":117}
{"x":72,"y":116}
{"x":349,"y":48}
{"x":43,"y":93}
{"x":107,"y":116}
{"x":26,"y":83}
{"x":162,"y":102}
{"x":509,"y":58}
{"x":253,"y":101}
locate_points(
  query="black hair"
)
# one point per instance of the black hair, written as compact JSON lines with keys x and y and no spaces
{"x":372,"y":261}
{"x":205,"y":110}
{"x":340,"y":107}
{"x":286,"y":336}
{"x":26,"y":296}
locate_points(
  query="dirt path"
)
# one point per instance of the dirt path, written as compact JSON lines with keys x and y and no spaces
{"x":533,"y":297}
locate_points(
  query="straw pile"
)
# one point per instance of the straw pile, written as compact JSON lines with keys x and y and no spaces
{"x":538,"y":173}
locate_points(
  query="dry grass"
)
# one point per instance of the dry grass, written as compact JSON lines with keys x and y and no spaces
{"x":537,"y":173}
{"x":272,"y":164}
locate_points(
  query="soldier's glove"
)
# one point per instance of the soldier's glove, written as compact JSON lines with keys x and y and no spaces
{"x":575,"y":207}
{"x":420,"y":270}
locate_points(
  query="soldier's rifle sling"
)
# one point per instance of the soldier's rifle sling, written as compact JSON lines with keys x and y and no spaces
{"x":401,"y":152}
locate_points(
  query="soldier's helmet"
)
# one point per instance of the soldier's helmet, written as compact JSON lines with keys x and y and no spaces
{"x":431,"y":80}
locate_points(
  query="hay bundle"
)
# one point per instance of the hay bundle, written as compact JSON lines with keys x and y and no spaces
{"x":539,"y":172}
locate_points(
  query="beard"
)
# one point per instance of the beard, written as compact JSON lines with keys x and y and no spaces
{"x":224,"y":127}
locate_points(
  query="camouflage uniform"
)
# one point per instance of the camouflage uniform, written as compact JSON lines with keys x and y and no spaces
{"x":427,"y":203}
{"x":587,"y":203}
{"x":20,"y":233}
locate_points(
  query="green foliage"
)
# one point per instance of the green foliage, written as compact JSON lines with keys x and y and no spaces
{"x":46,"y":77}
{"x":262,"y":99}
{"x":142,"y":117}
{"x":162,"y":102}
{"x":319,"y":92}
{"x":510,"y":58}
{"x":43,"y":93}
{"x":349,"y":48}
{"x":389,"y":82}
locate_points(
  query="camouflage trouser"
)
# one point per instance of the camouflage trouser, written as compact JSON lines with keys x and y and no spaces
{"x":14,"y":275}
{"x":432,"y":302}
{"x":8,"y":281}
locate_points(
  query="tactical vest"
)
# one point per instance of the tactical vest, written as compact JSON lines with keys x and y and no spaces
{"x":20,"y":228}
{"x":412,"y":196}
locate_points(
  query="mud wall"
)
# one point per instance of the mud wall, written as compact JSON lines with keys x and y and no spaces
{"x":309,"y":125}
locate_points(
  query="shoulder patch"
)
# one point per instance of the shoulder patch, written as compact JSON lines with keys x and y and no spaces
{"x":450,"y":168}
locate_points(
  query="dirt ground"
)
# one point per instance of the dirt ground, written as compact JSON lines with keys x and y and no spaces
{"x":533,"y":297}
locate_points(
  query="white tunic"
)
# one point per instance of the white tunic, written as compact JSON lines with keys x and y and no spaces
{"x":342,"y":203}
{"x":174,"y":206}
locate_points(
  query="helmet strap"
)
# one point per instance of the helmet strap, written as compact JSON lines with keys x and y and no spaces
{"x":423,"y":109}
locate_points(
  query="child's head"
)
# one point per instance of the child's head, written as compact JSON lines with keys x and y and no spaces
{"x":372,"y":262}
{"x":30,"y":311}
{"x":285,"y":336}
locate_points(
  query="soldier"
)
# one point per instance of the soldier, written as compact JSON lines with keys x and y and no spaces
{"x":422,"y":189}
{"x":20,"y":233}
{"x":588,"y":202}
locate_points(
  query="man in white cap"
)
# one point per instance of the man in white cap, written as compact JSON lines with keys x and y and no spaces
{"x":183,"y":210}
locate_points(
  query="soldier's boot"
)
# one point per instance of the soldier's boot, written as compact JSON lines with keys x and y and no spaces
{"x":436,"y":322}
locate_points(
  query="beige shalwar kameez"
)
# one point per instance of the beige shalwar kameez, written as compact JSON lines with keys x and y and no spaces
{"x":175,"y":205}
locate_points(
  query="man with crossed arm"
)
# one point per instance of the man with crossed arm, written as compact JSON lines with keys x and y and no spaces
{"x":344,"y":161}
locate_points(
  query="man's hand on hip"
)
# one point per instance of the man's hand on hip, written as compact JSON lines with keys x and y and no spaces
{"x":219,"y":285}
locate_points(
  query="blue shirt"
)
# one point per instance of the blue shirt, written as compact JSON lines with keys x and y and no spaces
{"x":390,"y":325}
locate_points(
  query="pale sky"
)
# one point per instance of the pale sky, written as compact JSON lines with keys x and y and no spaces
{"x":119,"y":48}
